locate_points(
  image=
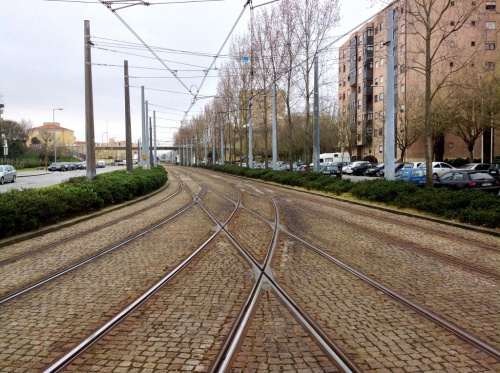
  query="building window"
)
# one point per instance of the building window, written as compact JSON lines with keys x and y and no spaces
{"x":452,"y":23}
{"x":489,"y":65}
{"x":452,"y":44}
{"x":452,"y":64}
{"x":344,"y":52}
{"x":452,"y":3}
{"x":375,"y":98}
{"x":450,"y":145}
{"x":402,"y":108}
{"x":491,"y":5}
{"x":375,"y":133}
{"x":490,"y":26}
{"x":403,"y":29}
{"x":473,"y":23}
{"x":402,"y":87}
{"x":381,"y":133}
{"x":359,"y":105}
{"x":472,"y":43}
{"x":376,"y":64}
{"x":376,"y":115}
{"x":360,"y":40}
{"x":402,"y":69}
{"x":359,"y":71}
{"x":359,"y":88}
{"x":490,"y":45}
{"x":381,"y":62}
{"x":380,"y":149}
{"x":382,"y":26}
{"x":403,"y":49}
{"x":381,"y":96}
{"x":381,"y":79}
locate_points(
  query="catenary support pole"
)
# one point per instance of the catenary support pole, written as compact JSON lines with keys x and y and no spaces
{"x":275,"y":137}
{"x":221,"y":142}
{"x":213,"y":143}
{"x":89,"y":106}
{"x":147,"y":145}
{"x":155,"y":162}
{"x":250,"y":135}
{"x":316,"y":164}
{"x":389,"y":102}
{"x":128,"y":125}
{"x":143,"y":108}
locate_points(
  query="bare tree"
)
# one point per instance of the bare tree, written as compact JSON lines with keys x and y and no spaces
{"x":433,"y":23}
{"x":411,"y":117}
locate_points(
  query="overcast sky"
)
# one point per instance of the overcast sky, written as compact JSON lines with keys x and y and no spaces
{"x":42,"y":59}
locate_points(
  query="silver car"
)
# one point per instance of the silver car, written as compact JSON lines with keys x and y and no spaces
{"x":7,"y":173}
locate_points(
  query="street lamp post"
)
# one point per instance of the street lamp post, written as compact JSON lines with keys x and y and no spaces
{"x":54,"y":122}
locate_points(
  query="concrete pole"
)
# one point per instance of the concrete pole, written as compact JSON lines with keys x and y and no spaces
{"x":146,"y":141}
{"x":205,"y":134}
{"x":150,"y":143}
{"x":155,"y":162}
{"x":275,"y":137}
{"x":389,"y":102}
{"x":128,"y":125}
{"x":179,"y":154}
{"x":250,"y":139}
{"x":213,"y":143}
{"x":316,"y":164}
{"x":89,"y":106}
{"x":143,"y":106}
{"x":221,"y":142}
{"x":191,"y":151}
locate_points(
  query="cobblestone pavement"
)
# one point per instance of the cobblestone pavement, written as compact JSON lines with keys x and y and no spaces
{"x":276,"y":342}
{"x":184,"y":325}
{"x":466,"y":298}
{"x":38,"y":326}
{"x":61,"y":234}
{"x":378,"y":331}
{"x":29,"y":269}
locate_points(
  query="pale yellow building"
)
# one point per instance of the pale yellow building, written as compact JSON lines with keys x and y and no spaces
{"x":63,"y":136}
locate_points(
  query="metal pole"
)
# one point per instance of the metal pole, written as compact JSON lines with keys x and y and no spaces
{"x":275,"y":138}
{"x":154,"y":126}
{"x":89,"y":107}
{"x":146,"y":142}
{"x":250,"y":139}
{"x":141,"y":152}
{"x":179,"y":154}
{"x":221,"y":142}
{"x":128,"y":125}
{"x":316,"y":118}
{"x":213,"y":143}
{"x":389,"y":102}
{"x":191,"y":151}
{"x":205,"y":134}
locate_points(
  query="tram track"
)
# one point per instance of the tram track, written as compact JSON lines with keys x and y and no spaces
{"x":264,"y":285}
{"x":442,"y":321}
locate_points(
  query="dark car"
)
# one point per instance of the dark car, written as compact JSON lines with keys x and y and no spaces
{"x":330,"y":170}
{"x":469,"y":180}
{"x":69,"y":166}
{"x":302,"y":168}
{"x":494,"y":170}
{"x":397,"y":166}
{"x":360,"y":168}
{"x":56,"y":166}
{"x":374,"y":171}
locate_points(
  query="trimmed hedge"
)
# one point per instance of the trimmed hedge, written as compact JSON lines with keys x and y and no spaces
{"x":29,"y":209}
{"x":476,"y":208}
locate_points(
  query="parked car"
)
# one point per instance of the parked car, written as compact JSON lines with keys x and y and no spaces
{"x":331,"y":170}
{"x":302,"y":168}
{"x":360,"y":169}
{"x":469,"y":180}
{"x":494,"y":170}
{"x":374,"y":170}
{"x":438,"y":168}
{"x":397,"y":166}
{"x":475,"y":166}
{"x":412,"y":175}
{"x":122,"y":163}
{"x":412,"y":164}
{"x":349,"y":168}
{"x":7,"y":173}
{"x":100,"y":164}
{"x":57,"y":166}
{"x":69,"y":166}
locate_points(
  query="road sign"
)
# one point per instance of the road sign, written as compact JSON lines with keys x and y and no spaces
{"x":144,"y":157}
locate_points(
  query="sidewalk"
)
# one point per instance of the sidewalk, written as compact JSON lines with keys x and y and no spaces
{"x":32,"y":173}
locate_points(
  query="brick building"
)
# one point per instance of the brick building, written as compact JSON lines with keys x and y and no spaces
{"x":363,"y":71}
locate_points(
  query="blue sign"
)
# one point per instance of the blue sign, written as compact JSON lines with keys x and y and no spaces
{"x":245,"y":59}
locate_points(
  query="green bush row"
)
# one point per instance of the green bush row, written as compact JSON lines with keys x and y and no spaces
{"x":29,"y":209}
{"x":468,"y":207}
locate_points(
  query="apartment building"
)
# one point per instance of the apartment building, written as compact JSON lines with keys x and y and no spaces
{"x":363,"y":71}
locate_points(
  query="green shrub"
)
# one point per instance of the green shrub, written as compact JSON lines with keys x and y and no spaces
{"x":26,"y":210}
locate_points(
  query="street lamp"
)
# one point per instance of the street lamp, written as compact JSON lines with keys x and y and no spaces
{"x":54,"y":122}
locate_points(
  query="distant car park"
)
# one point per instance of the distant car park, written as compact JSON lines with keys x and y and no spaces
{"x":56,"y":166}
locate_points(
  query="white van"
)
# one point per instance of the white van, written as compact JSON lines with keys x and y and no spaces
{"x":327,"y":158}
